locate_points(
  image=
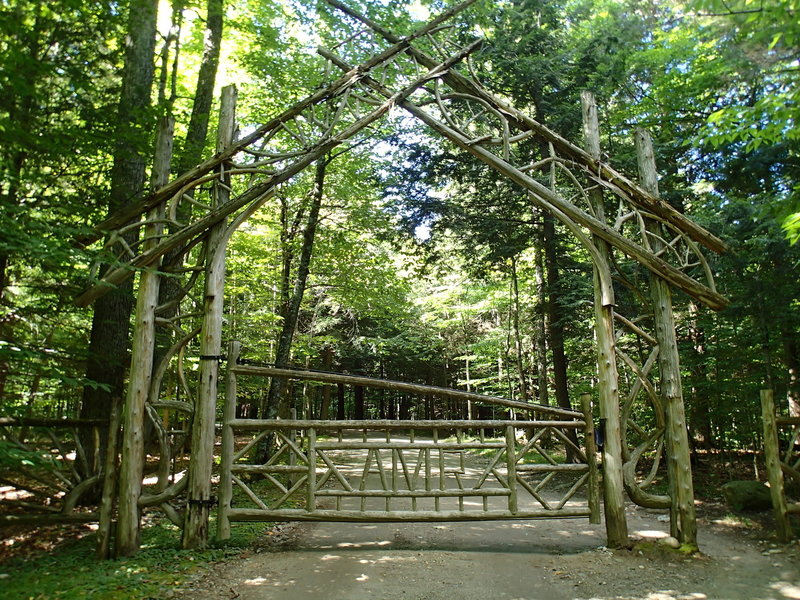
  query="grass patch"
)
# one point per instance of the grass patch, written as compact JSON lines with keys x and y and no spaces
{"x":156,"y":571}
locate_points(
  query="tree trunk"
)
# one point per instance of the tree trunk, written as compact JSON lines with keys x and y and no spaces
{"x":555,"y":326}
{"x":293,"y":309}
{"x":195,"y":529}
{"x":327,"y":361}
{"x":340,"y":413}
{"x":359,"y":402}
{"x":541,"y":326}
{"x":523,"y":385}
{"x":701,"y":418}
{"x":197,"y":131}
{"x":791,"y":356}
{"x":193,"y":146}
{"x":109,"y":338}
{"x":683,"y":524}
{"x":133,"y":443}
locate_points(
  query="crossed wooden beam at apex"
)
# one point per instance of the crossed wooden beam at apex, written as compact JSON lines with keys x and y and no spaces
{"x":358,"y":78}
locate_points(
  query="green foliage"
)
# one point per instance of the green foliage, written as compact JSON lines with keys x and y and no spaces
{"x":12,"y":458}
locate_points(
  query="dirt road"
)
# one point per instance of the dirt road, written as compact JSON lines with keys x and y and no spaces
{"x":506,"y":560}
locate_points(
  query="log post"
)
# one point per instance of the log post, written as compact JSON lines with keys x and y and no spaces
{"x":227,"y":451}
{"x":511,"y":466}
{"x":591,"y":459}
{"x":106,"y":512}
{"x":195,"y":531}
{"x":143,"y":345}
{"x":608,"y":377}
{"x":783,"y":527}
{"x":311,"y":498}
{"x":683,"y":524}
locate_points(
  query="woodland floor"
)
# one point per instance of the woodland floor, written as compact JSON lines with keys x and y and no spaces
{"x":507,"y":560}
{"x":554,"y":559}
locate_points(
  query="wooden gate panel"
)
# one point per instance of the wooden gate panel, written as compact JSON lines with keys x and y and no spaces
{"x":407,"y":471}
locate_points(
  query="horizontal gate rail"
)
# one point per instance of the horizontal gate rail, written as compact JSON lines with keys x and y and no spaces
{"x":403,"y":386}
{"x":404,"y":470}
{"x":261,"y":424}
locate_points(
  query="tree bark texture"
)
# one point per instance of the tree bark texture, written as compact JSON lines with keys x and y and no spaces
{"x":683,"y":524}
{"x":109,"y":341}
{"x":132,"y":462}
{"x":608,"y":376}
{"x":195,"y":531}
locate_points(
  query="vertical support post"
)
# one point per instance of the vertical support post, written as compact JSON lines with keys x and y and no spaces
{"x":292,"y":438}
{"x":591,"y":459}
{"x":511,"y":467}
{"x":683,"y":523}
{"x":608,"y":377}
{"x":109,"y":484}
{"x":195,"y":531}
{"x":226,"y":460}
{"x":774,"y":473}
{"x":142,"y":349}
{"x":311,"y":500}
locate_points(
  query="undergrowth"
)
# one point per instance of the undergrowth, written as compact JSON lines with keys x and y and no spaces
{"x":160,"y":568}
{"x":155,"y":572}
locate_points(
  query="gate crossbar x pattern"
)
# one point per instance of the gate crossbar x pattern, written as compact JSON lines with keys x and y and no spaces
{"x":365,"y":471}
{"x":400,"y":470}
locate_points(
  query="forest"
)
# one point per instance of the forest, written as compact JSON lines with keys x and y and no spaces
{"x":395,"y":255}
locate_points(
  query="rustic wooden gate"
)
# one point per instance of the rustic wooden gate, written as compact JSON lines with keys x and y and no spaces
{"x":406,"y":470}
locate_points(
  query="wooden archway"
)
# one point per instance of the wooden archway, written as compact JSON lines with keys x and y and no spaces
{"x":623,"y":225}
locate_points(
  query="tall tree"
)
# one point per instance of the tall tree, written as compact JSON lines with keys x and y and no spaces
{"x":292,"y":307}
{"x":109,"y":339}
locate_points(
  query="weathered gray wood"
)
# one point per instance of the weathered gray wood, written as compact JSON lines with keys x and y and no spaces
{"x":570,"y":215}
{"x":143,"y":345}
{"x":311,"y":500}
{"x":48,"y":519}
{"x":241,"y":468}
{"x":593,"y":491}
{"x":772,"y":458}
{"x":683,"y":523}
{"x":408,"y":446}
{"x":557,"y":468}
{"x":511,"y":469}
{"x":593,"y":167}
{"x":200,"y":229}
{"x":298,"y":514}
{"x":432,"y":493}
{"x":608,"y":377}
{"x":262,"y":424}
{"x":71,"y":500}
{"x":173,"y":491}
{"x":106,"y":509}
{"x":225,"y":490}
{"x":195,"y":531}
{"x":401,"y":386}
